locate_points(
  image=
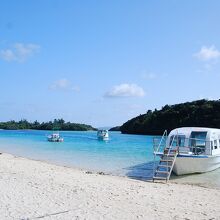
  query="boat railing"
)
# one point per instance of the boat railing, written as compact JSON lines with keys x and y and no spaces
{"x":197,"y":146}
{"x":172,"y":146}
{"x":193,"y":146}
{"x":160,"y":143}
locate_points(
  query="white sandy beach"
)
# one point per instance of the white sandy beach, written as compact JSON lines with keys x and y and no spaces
{"x":38,"y":190}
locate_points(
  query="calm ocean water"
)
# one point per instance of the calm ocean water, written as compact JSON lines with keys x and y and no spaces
{"x":126,"y":155}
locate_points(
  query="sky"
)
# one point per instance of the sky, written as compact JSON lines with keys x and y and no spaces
{"x":105,"y":62}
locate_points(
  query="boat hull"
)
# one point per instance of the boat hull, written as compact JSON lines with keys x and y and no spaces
{"x":103,"y":138}
{"x":195,"y":164}
{"x":55,"y":140}
{"x":102,"y":135}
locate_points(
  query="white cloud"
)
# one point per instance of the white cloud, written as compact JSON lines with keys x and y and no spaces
{"x":63,"y":84}
{"x":208,"y":53}
{"x":126,"y":90}
{"x":19,"y":52}
{"x":148,"y":75}
{"x":7,"y":55}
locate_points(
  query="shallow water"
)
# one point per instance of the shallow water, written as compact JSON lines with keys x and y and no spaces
{"x":209,"y":179}
{"x":125,"y":155}
{"x":81,"y":149}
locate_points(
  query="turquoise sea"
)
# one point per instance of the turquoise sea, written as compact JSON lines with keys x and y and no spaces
{"x":124,"y":155}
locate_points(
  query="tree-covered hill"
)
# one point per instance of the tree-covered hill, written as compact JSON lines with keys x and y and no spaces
{"x":116,"y":128}
{"x":201,"y":113}
{"x":57,"y":124}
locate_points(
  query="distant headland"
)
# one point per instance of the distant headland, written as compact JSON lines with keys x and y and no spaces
{"x":56,"y":124}
{"x":200,"y":113}
{"x":116,"y":128}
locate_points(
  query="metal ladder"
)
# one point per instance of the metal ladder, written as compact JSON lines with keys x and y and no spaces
{"x":165,"y":166}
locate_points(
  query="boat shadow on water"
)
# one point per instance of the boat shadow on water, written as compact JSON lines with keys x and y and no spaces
{"x":145,"y":171}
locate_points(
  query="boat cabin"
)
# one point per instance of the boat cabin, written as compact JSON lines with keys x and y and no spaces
{"x":55,"y":137}
{"x":195,"y":140}
{"x":103,"y":134}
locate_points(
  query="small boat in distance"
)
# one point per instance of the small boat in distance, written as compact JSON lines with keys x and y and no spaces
{"x":55,"y":137}
{"x":187,"y":150}
{"x":102,"y":134}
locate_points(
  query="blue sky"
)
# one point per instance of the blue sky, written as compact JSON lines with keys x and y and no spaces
{"x":104,"y":62}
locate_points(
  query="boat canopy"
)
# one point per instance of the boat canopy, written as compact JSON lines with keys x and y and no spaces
{"x":196,"y":140}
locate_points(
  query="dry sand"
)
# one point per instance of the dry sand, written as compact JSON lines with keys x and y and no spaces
{"x":38,"y":190}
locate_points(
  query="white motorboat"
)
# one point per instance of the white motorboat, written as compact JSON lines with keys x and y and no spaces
{"x":55,"y":137}
{"x":102,"y":134}
{"x":189,"y":150}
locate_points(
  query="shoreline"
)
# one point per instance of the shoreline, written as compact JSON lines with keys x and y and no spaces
{"x":183,"y":179}
{"x":33,"y":189}
{"x":191,"y":179}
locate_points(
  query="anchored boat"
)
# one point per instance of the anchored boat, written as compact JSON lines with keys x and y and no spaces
{"x":187,"y":150}
{"x":102,"y":134}
{"x":55,"y":137}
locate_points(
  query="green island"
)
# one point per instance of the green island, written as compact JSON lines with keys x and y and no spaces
{"x":200,"y":113}
{"x":56,"y":124}
{"x":116,"y":128}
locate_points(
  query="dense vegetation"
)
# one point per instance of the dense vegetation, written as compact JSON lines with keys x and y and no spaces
{"x":117,"y":128}
{"x":57,"y":124}
{"x":201,"y":113}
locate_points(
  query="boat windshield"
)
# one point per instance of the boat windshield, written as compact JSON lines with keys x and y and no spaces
{"x":177,"y":140}
{"x":102,"y":131}
{"x":198,"y":141}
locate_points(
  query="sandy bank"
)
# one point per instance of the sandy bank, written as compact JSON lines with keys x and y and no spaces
{"x":37,"y":190}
